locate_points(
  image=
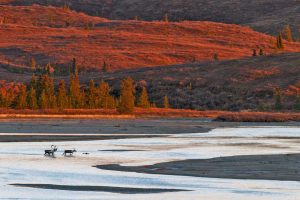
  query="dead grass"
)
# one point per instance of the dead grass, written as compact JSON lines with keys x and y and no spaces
{"x":259,"y":117}
{"x":151,"y":113}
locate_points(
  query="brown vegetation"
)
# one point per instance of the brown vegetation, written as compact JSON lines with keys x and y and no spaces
{"x":247,"y":84}
{"x":55,"y":35}
{"x":263,"y":15}
{"x":258,"y":117}
{"x":152,"y":113}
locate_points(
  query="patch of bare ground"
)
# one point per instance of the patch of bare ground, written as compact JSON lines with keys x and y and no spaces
{"x":283,"y":167}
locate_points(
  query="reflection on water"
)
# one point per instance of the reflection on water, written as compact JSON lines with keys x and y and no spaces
{"x":25,"y":163}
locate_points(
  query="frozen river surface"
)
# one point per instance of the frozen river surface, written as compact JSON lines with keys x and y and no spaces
{"x":24,"y":163}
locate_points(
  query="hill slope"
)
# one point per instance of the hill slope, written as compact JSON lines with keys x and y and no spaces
{"x":42,"y":33}
{"x":230,"y":85}
{"x":263,"y":15}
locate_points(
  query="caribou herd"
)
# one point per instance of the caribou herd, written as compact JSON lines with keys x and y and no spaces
{"x":53,"y":149}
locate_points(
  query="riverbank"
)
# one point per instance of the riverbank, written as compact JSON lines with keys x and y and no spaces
{"x":38,"y":130}
{"x":139,"y":113}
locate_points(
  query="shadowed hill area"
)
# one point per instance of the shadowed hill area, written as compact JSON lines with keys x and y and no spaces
{"x":233,"y":84}
{"x":263,"y":15}
{"x":57,"y":35}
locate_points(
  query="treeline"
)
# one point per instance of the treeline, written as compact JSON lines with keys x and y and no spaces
{"x":287,"y":35}
{"x":41,"y":93}
{"x":67,"y":70}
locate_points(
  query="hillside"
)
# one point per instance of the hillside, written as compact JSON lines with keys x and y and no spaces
{"x":264,"y":15}
{"x":54,"y":35}
{"x":230,"y":85}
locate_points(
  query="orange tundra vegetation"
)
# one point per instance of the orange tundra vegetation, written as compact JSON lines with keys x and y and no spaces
{"x":152,"y":113}
{"x":57,"y":35}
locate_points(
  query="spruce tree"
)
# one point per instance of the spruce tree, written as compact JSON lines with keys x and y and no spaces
{"x":46,"y":84}
{"x":126,"y":104}
{"x":21,"y":102}
{"x":75,"y":93}
{"x":33,"y":64}
{"x":288,"y":33}
{"x":50,"y":93}
{"x":166,"y":102}
{"x":297,"y":104}
{"x":278,"y":103}
{"x":143,"y":100}
{"x":105,"y":100}
{"x":91,"y":95}
{"x":104,"y":67}
{"x":166,"y":18}
{"x":62,"y":99}
{"x":261,"y":52}
{"x":48,"y":69}
{"x":33,"y":82}
{"x":216,"y":57}
{"x":279,"y":43}
{"x":39,"y":86}
{"x":74,"y":67}
{"x":32,"y":99}
{"x":43,"y":100}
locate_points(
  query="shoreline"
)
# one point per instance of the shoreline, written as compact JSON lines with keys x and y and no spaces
{"x":281,"y":167}
{"x":152,"y":113}
{"x":42,"y":130}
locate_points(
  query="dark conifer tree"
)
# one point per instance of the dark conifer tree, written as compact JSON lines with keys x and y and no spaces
{"x":33,"y":82}
{"x":76,"y":100}
{"x":166,"y":102}
{"x":74,"y":67}
{"x":105,"y":100}
{"x":126,"y":104}
{"x":104,"y":67}
{"x":33,"y":64}
{"x":62,"y":99}
{"x":261,"y":52}
{"x":216,"y":57}
{"x":39,"y":86}
{"x":43,"y":100}
{"x":143,"y":100}
{"x":288,"y":33}
{"x":278,"y":101}
{"x":279,"y":43}
{"x":297,"y":104}
{"x":91,"y":98}
{"x":32,"y":99}
{"x":21,"y":102}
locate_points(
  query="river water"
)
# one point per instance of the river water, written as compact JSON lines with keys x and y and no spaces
{"x":24,"y":163}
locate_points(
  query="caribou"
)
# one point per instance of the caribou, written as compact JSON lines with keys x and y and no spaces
{"x":70,"y":152}
{"x":50,"y":152}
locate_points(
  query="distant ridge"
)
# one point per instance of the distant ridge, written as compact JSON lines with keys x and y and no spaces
{"x":267,"y":16}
